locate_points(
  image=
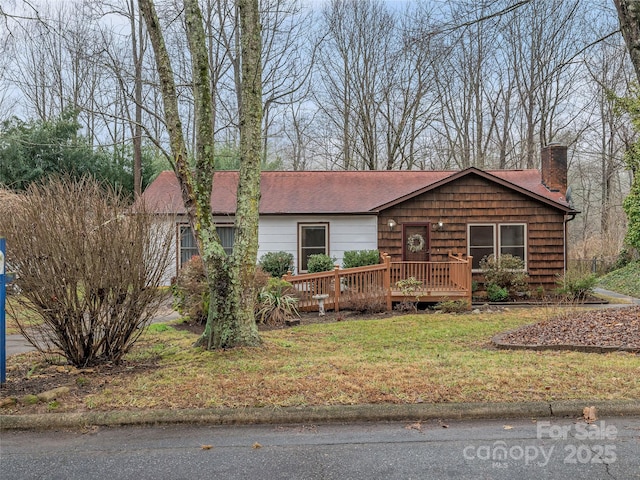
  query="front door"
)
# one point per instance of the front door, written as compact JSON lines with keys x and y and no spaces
{"x":415,"y":242}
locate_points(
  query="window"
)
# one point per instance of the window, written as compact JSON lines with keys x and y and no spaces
{"x":511,"y":239}
{"x":227,"y":235}
{"x":189,"y":248}
{"x":481,"y":243}
{"x":312,"y":239}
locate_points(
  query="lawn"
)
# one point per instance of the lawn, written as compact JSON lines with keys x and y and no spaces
{"x":398,"y":359}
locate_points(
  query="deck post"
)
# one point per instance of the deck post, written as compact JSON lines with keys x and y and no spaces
{"x":470,"y":279}
{"x":336,"y":288}
{"x":387,"y":279}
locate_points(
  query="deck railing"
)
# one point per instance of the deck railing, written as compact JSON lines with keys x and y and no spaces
{"x":435,"y":276}
{"x":376,"y":283}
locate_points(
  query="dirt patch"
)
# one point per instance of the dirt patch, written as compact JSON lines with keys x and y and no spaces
{"x":81,"y":381}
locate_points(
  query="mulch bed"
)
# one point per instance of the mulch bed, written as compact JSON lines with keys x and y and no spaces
{"x":611,"y":329}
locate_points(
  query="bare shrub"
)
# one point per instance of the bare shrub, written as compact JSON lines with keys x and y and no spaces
{"x":88,"y":268}
{"x":372,"y":301}
{"x":191,"y":292}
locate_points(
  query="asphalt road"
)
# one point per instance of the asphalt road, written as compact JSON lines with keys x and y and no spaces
{"x":514,"y":449}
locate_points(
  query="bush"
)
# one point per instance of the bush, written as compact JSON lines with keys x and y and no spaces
{"x":277,"y":303}
{"x":576,"y":286}
{"x":496,"y":293}
{"x":505,"y":272}
{"x":190,"y":291}
{"x":409,"y":287}
{"x":360,"y":258}
{"x":373,"y":301}
{"x":276,"y":264}
{"x":261,"y":279}
{"x":320,"y":262}
{"x":85,"y":268}
{"x":625,"y":257}
{"x":453,"y":306}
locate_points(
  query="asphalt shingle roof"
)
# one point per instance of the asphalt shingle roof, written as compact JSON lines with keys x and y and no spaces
{"x":337,"y":192}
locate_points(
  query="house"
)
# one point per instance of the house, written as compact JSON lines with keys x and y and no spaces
{"x":411,"y":215}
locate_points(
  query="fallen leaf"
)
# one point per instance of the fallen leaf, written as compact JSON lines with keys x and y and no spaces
{"x":207,"y":447}
{"x":256,"y":445}
{"x":508,"y":427}
{"x":414,"y":426}
{"x":589,"y":414}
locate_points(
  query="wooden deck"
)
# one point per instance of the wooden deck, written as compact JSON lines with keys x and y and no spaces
{"x":440,"y":281}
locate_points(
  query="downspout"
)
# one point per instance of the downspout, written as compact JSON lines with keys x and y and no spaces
{"x":566,"y":252}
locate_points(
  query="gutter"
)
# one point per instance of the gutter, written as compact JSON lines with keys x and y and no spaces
{"x":567,"y":218}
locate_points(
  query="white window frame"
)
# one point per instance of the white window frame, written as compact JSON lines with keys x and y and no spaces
{"x":324,"y":225}
{"x":524,"y":237}
{"x":493,"y":245}
{"x":497,"y":239}
{"x":182,"y":226}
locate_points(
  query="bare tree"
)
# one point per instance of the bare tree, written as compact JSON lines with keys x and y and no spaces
{"x":374,"y":77}
{"x":608,"y":73}
{"x":462,"y":81}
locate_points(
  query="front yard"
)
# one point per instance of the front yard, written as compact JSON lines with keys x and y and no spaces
{"x":394,"y":359}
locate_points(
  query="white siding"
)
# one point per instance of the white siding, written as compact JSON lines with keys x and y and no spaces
{"x":170,"y":272}
{"x":280,"y":233}
{"x":354,"y":232}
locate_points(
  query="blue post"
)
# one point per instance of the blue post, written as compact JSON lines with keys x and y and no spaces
{"x":3,"y":323}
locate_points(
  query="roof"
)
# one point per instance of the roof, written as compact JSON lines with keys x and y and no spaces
{"x":339,"y":192}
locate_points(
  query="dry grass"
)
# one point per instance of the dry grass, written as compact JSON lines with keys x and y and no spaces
{"x":403,"y":359}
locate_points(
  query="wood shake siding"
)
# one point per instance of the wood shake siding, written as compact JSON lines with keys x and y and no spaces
{"x":476,"y":200}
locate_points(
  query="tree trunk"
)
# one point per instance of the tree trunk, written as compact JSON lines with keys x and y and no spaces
{"x":137,"y":51}
{"x":629,"y":17}
{"x":231,"y":321}
{"x":244,"y":331}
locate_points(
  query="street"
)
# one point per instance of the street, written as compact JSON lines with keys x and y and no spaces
{"x":522,"y":449}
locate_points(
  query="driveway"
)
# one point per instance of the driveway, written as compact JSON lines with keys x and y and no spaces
{"x":18,"y":344}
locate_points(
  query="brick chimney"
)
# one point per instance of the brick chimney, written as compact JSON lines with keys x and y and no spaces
{"x":554,"y":167}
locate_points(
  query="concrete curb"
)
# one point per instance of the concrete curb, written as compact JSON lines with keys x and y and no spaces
{"x":321,"y":414}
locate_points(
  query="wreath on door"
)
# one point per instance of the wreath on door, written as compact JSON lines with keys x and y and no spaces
{"x":415,"y":243}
